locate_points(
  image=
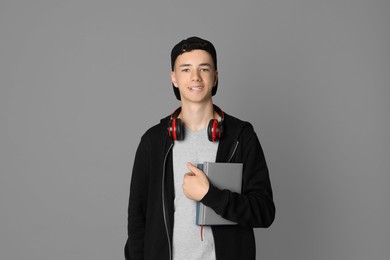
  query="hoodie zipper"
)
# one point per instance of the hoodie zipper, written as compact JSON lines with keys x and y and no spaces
{"x":233,"y":151}
{"x":163,"y":202}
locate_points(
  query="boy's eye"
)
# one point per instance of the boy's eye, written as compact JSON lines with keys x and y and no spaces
{"x":204,"y":69}
{"x":185,"y":70}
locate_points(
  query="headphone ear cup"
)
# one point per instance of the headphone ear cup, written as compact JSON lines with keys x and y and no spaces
{"x":170,"y":129}
{"x":179,"y":130}
{"x":175,"y":129}
{"x":220,"y":130}
{"x":214,"y":130}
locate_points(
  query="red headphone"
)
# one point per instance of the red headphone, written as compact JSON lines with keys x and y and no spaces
{"x":214,"y":128}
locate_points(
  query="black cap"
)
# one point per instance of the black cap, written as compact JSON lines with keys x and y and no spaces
{"x":189,"y":44}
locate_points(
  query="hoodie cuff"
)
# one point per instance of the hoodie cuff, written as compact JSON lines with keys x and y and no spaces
{"x":213,"y":198}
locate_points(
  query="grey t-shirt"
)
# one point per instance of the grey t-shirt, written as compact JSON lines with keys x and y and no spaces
{"x":187,"y":243}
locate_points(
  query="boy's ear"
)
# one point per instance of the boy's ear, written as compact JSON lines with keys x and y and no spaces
{"x":173,"y":79}
{"x":215,"y":78}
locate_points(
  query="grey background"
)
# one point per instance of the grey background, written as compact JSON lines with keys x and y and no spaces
{"x":82,"y":80}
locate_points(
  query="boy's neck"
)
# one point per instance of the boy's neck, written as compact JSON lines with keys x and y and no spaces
{"x":196,"y":116}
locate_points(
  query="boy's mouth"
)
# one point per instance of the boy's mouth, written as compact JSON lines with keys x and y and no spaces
{"x":195,"y":88}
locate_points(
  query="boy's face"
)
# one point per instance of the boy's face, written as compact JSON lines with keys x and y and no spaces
{"x":195,"y":76}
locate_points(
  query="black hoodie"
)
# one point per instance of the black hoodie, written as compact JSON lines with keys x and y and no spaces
{"x":151,"y":210}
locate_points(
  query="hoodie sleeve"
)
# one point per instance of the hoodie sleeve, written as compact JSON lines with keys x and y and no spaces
{"x":254,"y":207}
{"x":134,"y":248}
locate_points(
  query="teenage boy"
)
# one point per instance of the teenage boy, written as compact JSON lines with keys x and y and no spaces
{"x":166,"y":185}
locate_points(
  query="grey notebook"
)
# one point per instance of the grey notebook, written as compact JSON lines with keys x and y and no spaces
{"x":223,"y":176}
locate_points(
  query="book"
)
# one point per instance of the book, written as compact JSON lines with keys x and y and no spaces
{"x":223,"y":176}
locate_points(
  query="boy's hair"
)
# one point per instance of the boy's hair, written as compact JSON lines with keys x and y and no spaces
{"x":189,"y":44}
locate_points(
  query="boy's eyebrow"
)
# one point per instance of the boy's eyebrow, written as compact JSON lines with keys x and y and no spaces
{"x":202,"y":64}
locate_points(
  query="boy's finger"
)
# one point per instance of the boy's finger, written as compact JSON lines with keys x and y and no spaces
{"x":193,"y":168}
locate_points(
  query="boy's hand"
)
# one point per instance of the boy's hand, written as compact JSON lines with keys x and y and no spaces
{"x":195,"y":183}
